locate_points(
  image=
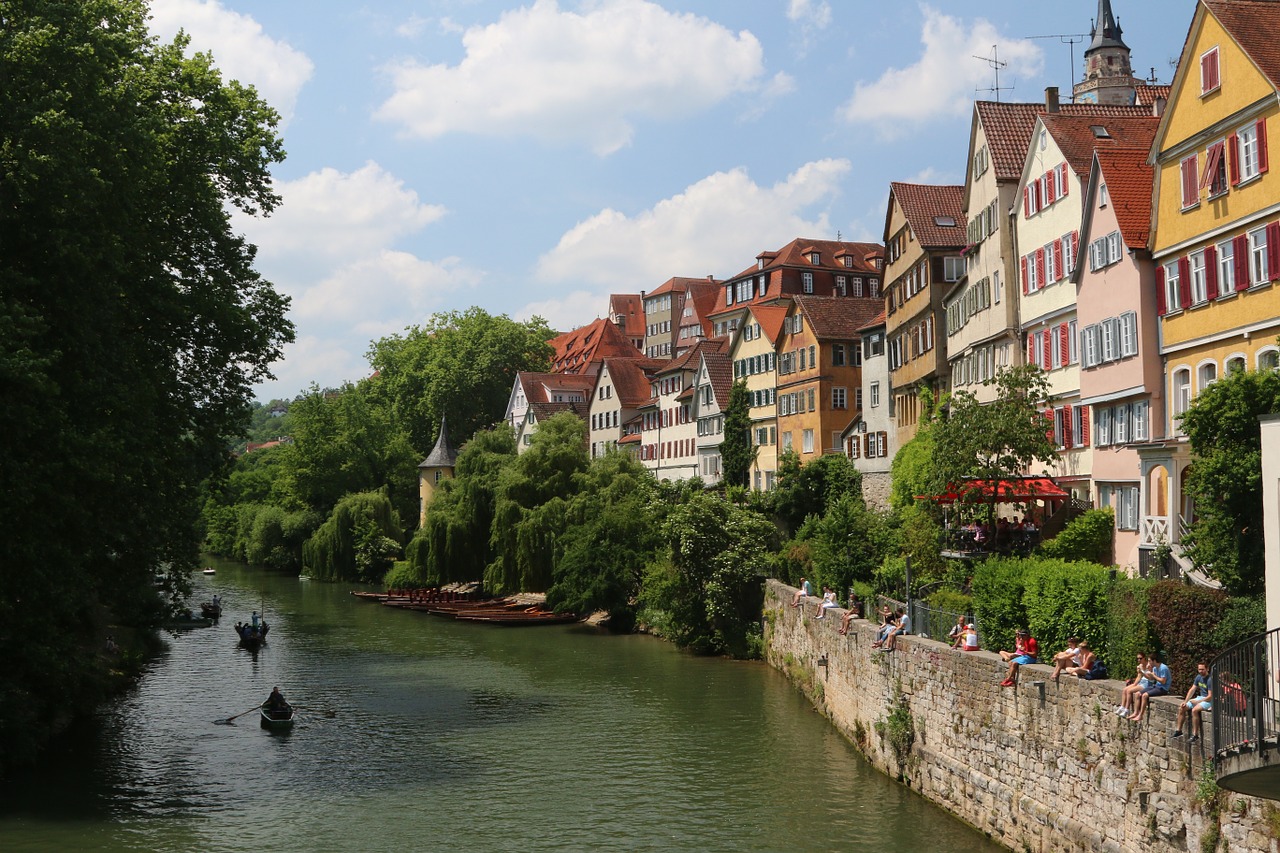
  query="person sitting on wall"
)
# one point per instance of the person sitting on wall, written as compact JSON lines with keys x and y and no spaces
{"x":1068,"y":658}
{"x":887,"y":622}
{"x":1199,"y":699}
{"x":1024,"y":652}
{"x":968,"y":640}
{"x":828,"y":602}
{"x":902,"y":626}
{"x":1161,"y":678}
{"x":848,"y":617}
{"x":1133,"y":687}
{"x":956,"y":630}
{"x":1089,"y":665}
{"x":803,"y":592}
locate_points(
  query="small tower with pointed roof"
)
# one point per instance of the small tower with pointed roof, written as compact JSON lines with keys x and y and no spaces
{"x":438,"y":466}
{"x":1108,"y":74}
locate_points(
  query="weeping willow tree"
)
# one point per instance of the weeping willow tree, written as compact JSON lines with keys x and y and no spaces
{"x":530,"y":508}
{"x":358,"y":542}
{"x":453,"y":543}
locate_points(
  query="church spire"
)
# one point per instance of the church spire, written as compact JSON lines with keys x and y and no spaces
{"x":1106,"y":29}
{"x":1108,"y":76}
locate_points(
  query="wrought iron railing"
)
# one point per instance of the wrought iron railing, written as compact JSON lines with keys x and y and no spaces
{"x":1245,"y":696}
{"x":926,"y":621}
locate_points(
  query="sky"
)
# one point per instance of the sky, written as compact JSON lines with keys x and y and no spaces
{"x":532,"y":158}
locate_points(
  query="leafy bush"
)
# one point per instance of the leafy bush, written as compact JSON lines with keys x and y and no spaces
{"x":403,"y":575}
{"x":1063,"y":600}
{"x":951,"y":600}
{"x":1183,"y":618}
{"x":356,"y":542}
{"x":1243,"y":618}
{"x":1089,"y":536}
{"x":1128,"y":629}
{"x":998,"y":601}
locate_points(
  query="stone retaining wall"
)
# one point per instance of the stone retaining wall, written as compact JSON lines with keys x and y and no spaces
{"x":1040,"y":767}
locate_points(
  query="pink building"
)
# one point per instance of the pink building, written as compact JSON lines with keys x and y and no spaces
{"x":1121,"y":371}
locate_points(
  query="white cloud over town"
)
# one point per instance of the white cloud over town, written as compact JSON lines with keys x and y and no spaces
{"x":945,"y":77}
{"x":715,"y":227}
{"x":575,"y":76}
{"x":240,"y":48}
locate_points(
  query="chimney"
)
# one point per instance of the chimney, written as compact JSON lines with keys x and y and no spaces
{"x":1051,"y":99}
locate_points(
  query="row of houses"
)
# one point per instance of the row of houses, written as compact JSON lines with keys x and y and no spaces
{"x":1127,"y":242}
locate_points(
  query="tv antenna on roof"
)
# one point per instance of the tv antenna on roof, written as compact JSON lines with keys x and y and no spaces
{"x":996,"y":64}
{"x":1071,"y":39}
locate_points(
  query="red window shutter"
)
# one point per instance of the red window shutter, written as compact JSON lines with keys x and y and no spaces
{"x":1184,"y":281}
{"x":1040,"y":266}
{"x":1211,"y":271}
{"x":1046,"y":353}
{"x":1161,"y":308}
{"x":1084,"y":426}
{"x":1240,"y":253}
{"x":1048,"y":416}
{"x":1075,"y":248}
{"x":1031,"y":347}
{"x":1262,"y":145}
{"x":1057,"y":259}
{"x":1273,"y":249}
{"x":1233,"y":159}
{"x":1024,"y":274}
{"x":1064,"y":344}
{"x":1190,"y":189}
{"x":1066,"y":428}
{"x":1050,"y":180}
{"x":1026,"y":201}
{"x":1062,"y":182}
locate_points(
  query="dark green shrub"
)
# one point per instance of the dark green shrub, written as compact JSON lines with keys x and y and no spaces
{"x":357,"y":542}
{"x":1243,"y":618}
{"x":403,"y":575}
{"x":951,"y":600}
{"x":1183,"y":618}
{"x":998,"y":601}
{"x":1128,"y":630}
{"x":1090,"y":536}
{"x":1063,"y":600}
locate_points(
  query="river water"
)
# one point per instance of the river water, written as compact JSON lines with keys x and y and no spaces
{"x":420,"y":733}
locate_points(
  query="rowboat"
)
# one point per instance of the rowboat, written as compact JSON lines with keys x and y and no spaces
{"x":210,"y":610}
{"x":209,"y":571}
{"x":518,"y":618}
{"x":251,"y":637}
{"x":277,"y":721}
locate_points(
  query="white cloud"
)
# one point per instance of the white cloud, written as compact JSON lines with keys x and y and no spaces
{"x":810,"y":17}
{"x":239,"y":47}
{"x":715,"y":227}
{"x":944,"y":79}
{"x":330,"y":214}
{"x":567,"y":76}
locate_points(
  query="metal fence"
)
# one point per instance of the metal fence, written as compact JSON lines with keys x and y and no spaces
{"x":928,"y":622}
{"x":1246,"y":698}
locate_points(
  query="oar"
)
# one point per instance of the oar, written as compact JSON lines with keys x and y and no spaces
{"x":237,"y":716}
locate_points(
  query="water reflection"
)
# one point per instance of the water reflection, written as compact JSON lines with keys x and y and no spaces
{"x":422,"y":733}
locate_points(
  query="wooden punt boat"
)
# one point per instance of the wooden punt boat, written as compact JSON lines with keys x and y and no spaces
{"x":210,"y":610}
{"x":277,"y":721}
{"x":520,"y":618}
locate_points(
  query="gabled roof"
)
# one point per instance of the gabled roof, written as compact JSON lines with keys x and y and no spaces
{"x":796,"y":254}
{"x":1129,"y":179}
{"x":720,"y":375}
{"x":1254,"y":25}
{"x":582,"y":350}
{"x":631,"y":377}
{"x":1008,"y":128}
{"x":682,"y":283}
{"x":770,"y":318}
{"x":1076,"y":138}
{"x":874,"y":323}
{"x":541,"y":411}
{"x":838,"y":317}
{"x":689,"y":360}
{"x":923,"y":205}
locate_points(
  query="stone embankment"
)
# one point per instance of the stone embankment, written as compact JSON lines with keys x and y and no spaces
{"x":1040,"y":767}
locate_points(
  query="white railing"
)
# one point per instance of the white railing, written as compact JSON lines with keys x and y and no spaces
{"x":1154,"y":529}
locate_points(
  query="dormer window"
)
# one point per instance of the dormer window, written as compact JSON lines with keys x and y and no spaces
{"x":815,"y":258}
{"x":759,"y":263}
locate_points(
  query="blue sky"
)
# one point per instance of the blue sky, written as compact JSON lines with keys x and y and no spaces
{"x":531,"y":158}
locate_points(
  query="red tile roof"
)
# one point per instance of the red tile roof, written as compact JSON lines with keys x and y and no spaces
{"x":796,"y":254}
{"x":582,"y":350}
{"x":1147,"y":93}
{"x":875,"y":322}
{"x":770,"y":318}
{"x":631,"y":310}
{"x":1076,"y":137}
{"x":837,"y":317}
{"x":535,"y":385}
{"x":689,"y":360}
{"x":1129,"y":179}
{"x":1009,"y":126}
{"x":631,"y":377}
{"x":542,"y":411}
{"x":720,"y":372}
{"x":924,"y":204}
{"x":681,"y":283}
{"x":1254,"y":24}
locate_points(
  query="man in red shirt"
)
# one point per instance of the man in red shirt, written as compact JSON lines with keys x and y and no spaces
{"x":1025,"y":649}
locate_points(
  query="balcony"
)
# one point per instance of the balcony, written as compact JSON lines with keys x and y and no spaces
{"x":1246,"y":717}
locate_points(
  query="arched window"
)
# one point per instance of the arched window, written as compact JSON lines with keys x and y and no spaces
{"x":1269,"y":359}
{"x":1206,"y":375}
{"x":1181,"y":390}
{"x":1234,"y":362}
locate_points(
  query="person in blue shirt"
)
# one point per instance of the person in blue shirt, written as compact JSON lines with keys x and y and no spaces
{"x":1199,"y":699}
{"x":1159,"y":677}
{"x":803,"y":592}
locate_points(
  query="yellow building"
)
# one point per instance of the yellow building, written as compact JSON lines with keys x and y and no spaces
{"x":436,"y":468}
{"x":1216,"y":238}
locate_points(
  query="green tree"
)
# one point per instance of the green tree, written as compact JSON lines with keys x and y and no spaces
{"x":462,"y":364}
{"x":912,"y":466}
{"x":736,"y":451}
{"x":359,"y":541}
{"x":995,"y":440}
{"x":847,"y":543}
{"x":1226,"y":476}
{"x":611,"y":534}
{"x":132,"y":327}
{"x":807,"y":490}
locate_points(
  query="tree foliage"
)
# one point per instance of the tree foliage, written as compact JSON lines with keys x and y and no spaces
{"x":460,"y":363}
{"x":736,"y":450}
{"x":1226,"y":537}
{"x":807,"y":490}
{"x":912,"y":467}
{"x":359,"y":541}
{"x":132,"y":326}
{"x":1089,"y":536}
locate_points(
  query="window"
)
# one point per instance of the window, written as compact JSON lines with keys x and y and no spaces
{"x":1103,"y":196}
{"x":1190,"y":183}
{"x":842,"y":286}
{"x":1199,"y":291}
{"x":815,"y":258}
{"x":953,"y":269}
{"x":1269,"y":359}
{"x":1210,"y":79}
{"x":1258,"y":273}
{"x":1172,"y":279}
{"x":1206,"y":375}
{"x":1126,"y":505}
{"x":1226,"y":266}
{"x":807,"y":438}
{"x":1235,"y":362}
{"x":1181,"y":390}
{"x":1141,"y":411}
{"x":1249,"y":143}
{"x":786,"y":441}
{"x":1102,"y":426}
{"x":839,"y":398}
{"x":1128,"y":334}
{"x":875,"y":393}
{"x":1215,"y":170}
{"x":837,"y":355}
{"x":806,"y":280}
{"x":1073,"y":354}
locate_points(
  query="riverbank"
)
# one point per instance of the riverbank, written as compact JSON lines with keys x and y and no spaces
{"x":1040,"y":767}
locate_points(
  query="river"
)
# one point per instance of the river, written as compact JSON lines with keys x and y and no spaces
{"x":420,"y":733}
